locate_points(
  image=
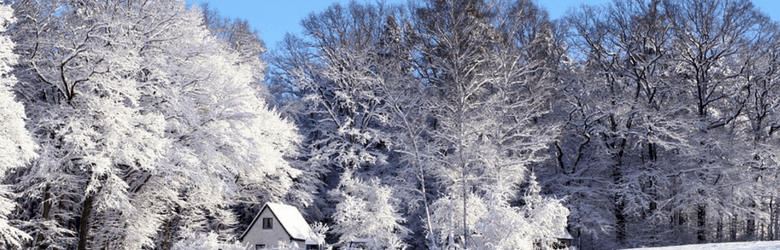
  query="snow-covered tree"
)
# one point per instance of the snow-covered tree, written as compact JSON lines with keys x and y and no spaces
{"x":488,"y":92}
{"x":334,"y":85}
{"x":653,"y":106}
{"x":150,"y":127}
{"x":367,"y":210}
{"x":458,"y":87}
{"x":621,"y":103}
{"x":221,"y":131}
{"x":15,"y":141}
{"x":78,"y":69}
{"x":244,"y":40}
{"x":712,"y":66}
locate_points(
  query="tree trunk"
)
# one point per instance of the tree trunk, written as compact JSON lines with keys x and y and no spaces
{"x":771,"y":227}
{"x":621,"y":220}
{"x":431,"y":236}
{"x":719,"y":234}
{"x":617,"y":177}
{"x":775,"y":224}
{"x":750,"y":228}
{"x":733,"y":228}
{"x":465,"y":214}
{"x":86,"y":210}
{"x":701,"y":215}
{"x":47,"y":203}
{"x":653,"y":155}
{"x":166,"y":234}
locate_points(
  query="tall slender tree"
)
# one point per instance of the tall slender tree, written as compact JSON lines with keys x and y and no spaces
{"x":489,"y":85}
{"x":15,"y":141}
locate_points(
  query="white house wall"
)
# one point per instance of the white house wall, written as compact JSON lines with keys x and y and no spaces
{"x":269,"y":237}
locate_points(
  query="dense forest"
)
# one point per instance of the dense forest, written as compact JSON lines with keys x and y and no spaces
{"x":437,"y":124}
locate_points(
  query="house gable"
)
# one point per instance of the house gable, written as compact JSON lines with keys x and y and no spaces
{"x":254,"y":220}
{"x":288,"y":225}
{"x":257,"y":235}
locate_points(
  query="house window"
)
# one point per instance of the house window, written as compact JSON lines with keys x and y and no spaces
{"x":259,"y":246}
{"x":311,"y":247}
{"x":268,"y":223}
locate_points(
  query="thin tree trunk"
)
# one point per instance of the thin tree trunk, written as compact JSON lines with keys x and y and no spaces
{"x":701,"y":215}
{"x":621,"y":221}
{"x":166,"y":234}
{"x":465,"y":214}
{"x":733,"y":228}
{"x":86,"y":210}
{"x":771,"y":227}
{"x":620,"y":205}
{"x":682,"y":220}
{"x":776,"y":224}
{"x":431,"y":237}
{"x":750,"y":225}
{"x":719,"y":234}
{"x":462,"y":160}
{"x":47,"y":204}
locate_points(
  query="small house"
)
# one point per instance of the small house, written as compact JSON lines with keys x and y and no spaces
{"x":564,"y":239}
{"x":277,"y":223}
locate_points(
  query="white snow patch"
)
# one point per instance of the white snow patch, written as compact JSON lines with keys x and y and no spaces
{"x":755,"y":245}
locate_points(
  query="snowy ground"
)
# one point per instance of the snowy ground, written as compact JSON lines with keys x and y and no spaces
{"x":759,"y":245}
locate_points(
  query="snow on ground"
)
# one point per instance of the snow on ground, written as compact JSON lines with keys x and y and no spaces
{"x":756,"y":245}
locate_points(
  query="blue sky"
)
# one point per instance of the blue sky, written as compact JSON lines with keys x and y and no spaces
{"x":274,"y":18}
